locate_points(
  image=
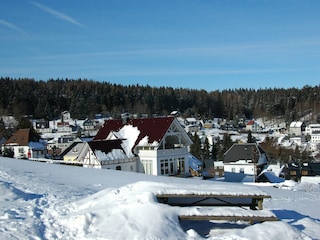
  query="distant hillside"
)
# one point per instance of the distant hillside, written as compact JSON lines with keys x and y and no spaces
{"x":84,"y":98}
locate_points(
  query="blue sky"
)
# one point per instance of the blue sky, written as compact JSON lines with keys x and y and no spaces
{"x":201,"y":44}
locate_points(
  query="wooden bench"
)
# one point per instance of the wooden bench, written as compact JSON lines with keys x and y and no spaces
{"x":254,"y":201}
{"x":219,"y":206}
{"x":226,"y":214}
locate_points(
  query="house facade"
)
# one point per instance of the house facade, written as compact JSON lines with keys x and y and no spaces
{"x":108,"y":154}
{"x":297,"y":128}
{"x":105,"y":154}
{"x":313,"y":130}
{"x":60,"y":143}
{"x":252,"y":126}
{"x":71,"y":153}
{"x":241,"y":160}
{"x":25,"y":144}
{"x":159,"y":145}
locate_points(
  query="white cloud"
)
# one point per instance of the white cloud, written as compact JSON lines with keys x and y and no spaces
{"x":57,"y":14}
{"x":11,"y":26}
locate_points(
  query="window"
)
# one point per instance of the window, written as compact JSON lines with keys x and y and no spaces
{"x":118,"y":168}
{"x":147,"y":148}
{"x":293,"y":173}
{"x":162,"y":168}
{"x":170,"y":166}
{"x":147,"y":165}
{"x":164,"y":165}
{"x":181,"y":165}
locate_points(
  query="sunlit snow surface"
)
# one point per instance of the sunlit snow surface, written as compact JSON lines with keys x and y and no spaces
{"x":48,"y":201}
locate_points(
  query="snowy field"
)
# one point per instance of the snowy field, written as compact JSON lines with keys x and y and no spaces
{"x":48,"y":201}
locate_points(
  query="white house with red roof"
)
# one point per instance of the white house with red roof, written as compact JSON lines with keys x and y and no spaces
{"x":252,"y":126}
{"x":159,"y":145}
{"x":25,"y":143}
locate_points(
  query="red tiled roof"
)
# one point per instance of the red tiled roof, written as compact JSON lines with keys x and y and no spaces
{"x":154,"y":128}
{"x":22,"y":137}
{"x":251,"y":122}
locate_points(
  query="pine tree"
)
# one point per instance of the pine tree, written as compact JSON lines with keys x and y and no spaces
{"x":226,"y":144}
{"x":250,"y":138}
{"x":206,"y":149}
{"x":195,"y":148}
{"x":215,"y":150}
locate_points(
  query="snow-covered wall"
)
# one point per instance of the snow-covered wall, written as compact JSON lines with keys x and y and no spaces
{"x":315,"y":180}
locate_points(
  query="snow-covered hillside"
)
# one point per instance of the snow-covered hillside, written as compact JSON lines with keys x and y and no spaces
{"x":48,"y":201}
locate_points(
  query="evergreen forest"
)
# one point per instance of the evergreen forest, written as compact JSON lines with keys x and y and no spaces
{"x":85,"y":98}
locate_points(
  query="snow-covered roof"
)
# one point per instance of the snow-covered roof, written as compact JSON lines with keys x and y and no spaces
{"x":144,"y":131}
{"x":271,"y":176}
{"x":37,"y":145}
{"x":194,"y":162}
{"x":154,"y":128}
{"x":191,"y":120}
{"x":296,"y":124}
{"x":108,"y":150}
{"x":105,"y":146}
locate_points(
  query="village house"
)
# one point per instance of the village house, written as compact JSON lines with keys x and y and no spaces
{"x":25,"y":143}
{"x":315,"y":137}
{"x":218,"y":168}
{"x":70,"y":154}
{"x":63,"y":124}
{"x":252,"y":126}
{"x":191,"y":125}
{"x":41,"y":126}
{"x":296,"y":170}
{"x":89,"y":127}
{"x":108,"y":154}
{"x":159,"y":144}
{"x":297,"y":128}
{"x":312,"y":128}
{"x":105,"y":154}
{"x":227,"y":125}
{"x":313,"y":131}
{"x":241,"y":160}
{"x":60,"y":143}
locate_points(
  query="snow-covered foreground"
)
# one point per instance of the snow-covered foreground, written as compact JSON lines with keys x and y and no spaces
{"x":48,"y":201}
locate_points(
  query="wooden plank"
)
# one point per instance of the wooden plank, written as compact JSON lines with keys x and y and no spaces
{"x":225,"y":213}
{"x":228,"y":218}
{"x":184,"y":200}
{"x":170,"y":195}
{"x":249,"y":205}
